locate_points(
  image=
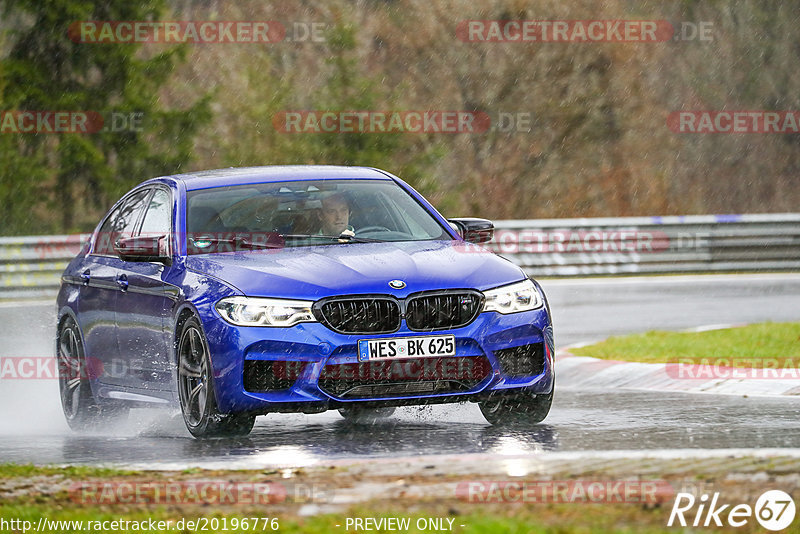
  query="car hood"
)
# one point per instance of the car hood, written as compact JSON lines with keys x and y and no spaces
{"x":357,"y":268}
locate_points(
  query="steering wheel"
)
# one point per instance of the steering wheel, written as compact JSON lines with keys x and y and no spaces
{"x":369,"y":229}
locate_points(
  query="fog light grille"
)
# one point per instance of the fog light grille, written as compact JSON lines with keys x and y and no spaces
{"x":522,"y":361}
{"x":262,"y":376}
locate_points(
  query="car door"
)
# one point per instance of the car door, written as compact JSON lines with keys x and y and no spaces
{"x":100,"y":288}
{"x":143,"y":306}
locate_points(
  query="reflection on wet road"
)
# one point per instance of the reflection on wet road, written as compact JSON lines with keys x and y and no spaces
{"x":579,"y":421}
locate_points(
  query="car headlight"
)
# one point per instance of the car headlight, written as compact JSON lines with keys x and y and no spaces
{"x":254,"y":311}
{"x":519,"y":297}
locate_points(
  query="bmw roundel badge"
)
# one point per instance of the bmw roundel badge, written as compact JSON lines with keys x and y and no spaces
{"x":397,"y":284}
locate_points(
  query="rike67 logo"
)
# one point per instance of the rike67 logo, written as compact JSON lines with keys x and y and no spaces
{"x":774,"y":510}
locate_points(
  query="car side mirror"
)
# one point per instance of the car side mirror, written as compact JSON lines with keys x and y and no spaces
{"x":140,"y":248}
{"x":473,"y":230}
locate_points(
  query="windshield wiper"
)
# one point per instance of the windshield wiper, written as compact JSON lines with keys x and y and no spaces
{"x":344,"y":237}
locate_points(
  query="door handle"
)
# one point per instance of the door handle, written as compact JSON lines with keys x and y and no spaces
{"x":122,"y":282}
{"x":86,"y":276}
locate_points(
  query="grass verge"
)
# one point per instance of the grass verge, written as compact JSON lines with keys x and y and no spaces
{"x":775,"y":343}
{"x":28,"y":494}
{"x":11,"y":470}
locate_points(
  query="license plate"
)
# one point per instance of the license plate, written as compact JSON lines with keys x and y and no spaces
{"x":406,"y":347}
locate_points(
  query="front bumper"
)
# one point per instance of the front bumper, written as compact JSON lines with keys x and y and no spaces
{"x":308,"y":351}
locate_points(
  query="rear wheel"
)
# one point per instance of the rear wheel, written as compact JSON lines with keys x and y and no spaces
{"x":365,"y":416}
{"x":196,"y":389}
{"x":81,"y":410}
{"x":526,"y":410}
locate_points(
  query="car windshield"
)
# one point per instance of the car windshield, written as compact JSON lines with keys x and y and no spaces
{"x":304,"y":212}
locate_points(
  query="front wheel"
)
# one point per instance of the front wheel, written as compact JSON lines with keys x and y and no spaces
{"x":196,"y":389}
{"x":526,"y":410}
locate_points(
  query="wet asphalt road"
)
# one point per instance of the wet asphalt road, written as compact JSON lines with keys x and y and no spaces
{"x":32,"y":428}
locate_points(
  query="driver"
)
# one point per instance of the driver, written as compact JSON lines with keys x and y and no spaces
{"x":335,"y":216}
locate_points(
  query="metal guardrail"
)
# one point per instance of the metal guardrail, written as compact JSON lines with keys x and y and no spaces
{"x":31,"y":266}
{"x":652,"y":245}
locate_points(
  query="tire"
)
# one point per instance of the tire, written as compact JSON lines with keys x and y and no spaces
{"x":517,"y":410}
{"x":196,"y":389}
{"x":365,"y":416}
{"x":81,"y":410}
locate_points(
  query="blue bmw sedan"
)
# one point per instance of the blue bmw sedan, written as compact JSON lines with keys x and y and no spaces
{"x":240,"y":292}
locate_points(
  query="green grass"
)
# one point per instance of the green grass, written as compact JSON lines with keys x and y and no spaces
{"x":10,"y":470}
{"x":777,"y":343}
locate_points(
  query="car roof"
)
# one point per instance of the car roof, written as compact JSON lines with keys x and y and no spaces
{"x":274,"y":173}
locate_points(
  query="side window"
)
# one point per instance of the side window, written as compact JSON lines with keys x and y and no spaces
{"x":103,"y":244}
{"x":158,"y":218}
{"x":131,"y":212}
{"x":121,"y":223}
